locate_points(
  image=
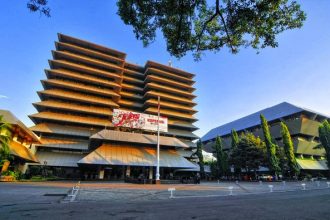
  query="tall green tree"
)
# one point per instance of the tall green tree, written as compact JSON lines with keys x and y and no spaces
{"x":222,"y":157}
{"x":271,"y":147}
{"x":199,"y":153}
{"x":324,"y":134}
{"x":250,"y":153}
{"x":282,"y":160}
{"x":199,"y":25}
{"x":289,"y":150}
{"x":234,"y":144}
{"x":234,"y":139}
{"x":5,"y":138}
{"x":214,"y":168}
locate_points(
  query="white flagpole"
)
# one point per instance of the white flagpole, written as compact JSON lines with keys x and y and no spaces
{"x":157,"y":168}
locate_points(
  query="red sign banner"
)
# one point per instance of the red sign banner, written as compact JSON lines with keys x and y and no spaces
{"x":128,"y":119}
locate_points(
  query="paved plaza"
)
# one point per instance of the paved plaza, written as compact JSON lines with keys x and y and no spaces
{"x":123,"y":192}
{"x":209,"y":200}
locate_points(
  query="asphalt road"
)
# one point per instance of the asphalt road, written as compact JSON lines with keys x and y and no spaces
{"x":31,"y":203}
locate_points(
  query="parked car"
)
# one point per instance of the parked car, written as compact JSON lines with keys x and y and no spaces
{"x":265,"y":177}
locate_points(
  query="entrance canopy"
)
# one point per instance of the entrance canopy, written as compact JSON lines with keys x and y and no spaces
{"x":21,"y":151}
{"x":308,"y":164}
{"x":129,"y":137}
{"x":124,"y":155}
{"x":59,"y":159}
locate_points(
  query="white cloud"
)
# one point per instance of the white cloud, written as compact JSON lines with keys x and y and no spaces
{"x":4,"y":97}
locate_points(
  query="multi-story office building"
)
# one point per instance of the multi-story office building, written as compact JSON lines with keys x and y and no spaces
{"x":302,"y":123}
{"x":84,"y":84}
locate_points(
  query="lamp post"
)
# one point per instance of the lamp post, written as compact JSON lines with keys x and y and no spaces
{"x":157,"y":168}
{"x":45,"y":164}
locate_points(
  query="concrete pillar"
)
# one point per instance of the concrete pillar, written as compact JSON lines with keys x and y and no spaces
{"x":33,"y":148}
{"x":128,"y":171}
{"x":22,"y":167}
{"x":101,"y":173}
{"x":151,"y":173}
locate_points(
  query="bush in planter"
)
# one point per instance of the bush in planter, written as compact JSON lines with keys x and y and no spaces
{"x":16,"y":174}
{"x":8,"y":176}
{"x":8,"y":173}
{"x":19,"y":175}
{"x":37,"y":177}
{"x":308,"y":176}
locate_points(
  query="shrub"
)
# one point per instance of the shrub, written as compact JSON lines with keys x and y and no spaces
{"x":35,"y":170}
{"x":16,"y":174}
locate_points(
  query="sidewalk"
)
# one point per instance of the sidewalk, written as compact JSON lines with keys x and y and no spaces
{"x":119,"y":192}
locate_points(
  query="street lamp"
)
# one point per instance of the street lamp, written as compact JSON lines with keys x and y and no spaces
{"x":45,"y":164}
{"x":157,"y":168}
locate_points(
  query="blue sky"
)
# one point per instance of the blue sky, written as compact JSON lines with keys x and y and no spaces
{"x":228,"y":86}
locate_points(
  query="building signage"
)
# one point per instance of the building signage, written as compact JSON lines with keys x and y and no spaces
{"x":128,"y":119}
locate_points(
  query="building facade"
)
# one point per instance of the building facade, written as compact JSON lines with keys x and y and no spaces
{"x":302,"y":123}
{"x":85,"y":83}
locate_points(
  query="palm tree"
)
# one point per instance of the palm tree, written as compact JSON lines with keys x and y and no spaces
{"x":5,"y":137}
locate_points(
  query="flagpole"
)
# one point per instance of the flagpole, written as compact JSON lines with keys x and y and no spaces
{"x":157,"y":168}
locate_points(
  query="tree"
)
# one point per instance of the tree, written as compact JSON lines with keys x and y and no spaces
{"x":234,"y":144}
{"x":39,"y":6}
{"x":271,"y":147}
{"x":324,"y":134}
{"x":5,"y":137}
{"x":198,"y":26}
{"x":199,"y":153}
{"x":289,"y":150}
{"x":250,"y":153}
{"x":214,"y":168}
{"x":234,"y":139}
{"x":222,"y":158}
{"x":282,"y":160}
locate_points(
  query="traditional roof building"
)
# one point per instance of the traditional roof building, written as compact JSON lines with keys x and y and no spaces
{"x":302,"y":123}
{"x":85,"y":83}
{"x":21,"y":143}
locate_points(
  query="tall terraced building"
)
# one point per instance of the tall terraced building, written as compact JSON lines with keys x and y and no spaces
{"x":84,"y":84}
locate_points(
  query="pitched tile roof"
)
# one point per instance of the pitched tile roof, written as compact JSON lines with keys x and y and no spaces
{"x":272,"y":113}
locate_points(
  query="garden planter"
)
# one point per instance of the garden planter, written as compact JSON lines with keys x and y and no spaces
{"x":7,"y":179}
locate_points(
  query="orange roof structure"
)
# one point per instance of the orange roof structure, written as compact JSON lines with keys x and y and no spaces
{"x":22,"y":137}
{"x":134,"y":156}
